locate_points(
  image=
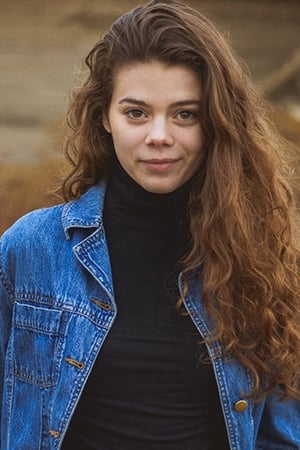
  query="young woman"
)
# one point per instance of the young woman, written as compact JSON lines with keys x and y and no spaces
{"x":158,"y":307}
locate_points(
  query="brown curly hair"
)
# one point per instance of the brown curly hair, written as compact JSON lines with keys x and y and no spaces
{"x":241,"y":208}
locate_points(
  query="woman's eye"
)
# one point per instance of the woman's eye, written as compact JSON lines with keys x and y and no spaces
{"x":135,"y":113}
{"x":186,"y":115}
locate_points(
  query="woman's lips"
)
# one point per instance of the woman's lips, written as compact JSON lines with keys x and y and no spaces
{"x":159,"y":165}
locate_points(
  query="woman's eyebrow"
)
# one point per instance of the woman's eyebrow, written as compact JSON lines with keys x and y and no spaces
{"x":191,"y":101}
{"x":135,"y":101}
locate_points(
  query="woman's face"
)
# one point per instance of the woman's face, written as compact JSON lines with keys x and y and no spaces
{"x":154,"y":119}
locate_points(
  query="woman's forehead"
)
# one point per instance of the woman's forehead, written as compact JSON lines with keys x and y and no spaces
{"x":154,"y":78}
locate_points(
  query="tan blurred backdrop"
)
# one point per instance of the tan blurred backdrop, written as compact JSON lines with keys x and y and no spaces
{"x":42,"y":47}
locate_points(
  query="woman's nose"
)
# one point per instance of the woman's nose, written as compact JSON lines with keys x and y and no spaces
{"x":159,"y":133}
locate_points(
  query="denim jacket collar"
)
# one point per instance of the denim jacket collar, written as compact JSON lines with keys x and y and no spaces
{"x":85,"y":212}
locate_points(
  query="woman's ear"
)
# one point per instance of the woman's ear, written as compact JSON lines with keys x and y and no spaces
{"x":106,"y":123}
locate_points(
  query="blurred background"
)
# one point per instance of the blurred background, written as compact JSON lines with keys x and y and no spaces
{"x":42,"y":48}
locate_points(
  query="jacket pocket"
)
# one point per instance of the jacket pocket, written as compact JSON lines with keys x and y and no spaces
{"x":37,"y":344}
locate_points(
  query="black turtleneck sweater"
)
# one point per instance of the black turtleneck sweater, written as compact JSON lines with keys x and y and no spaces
{"x":148,"y":389}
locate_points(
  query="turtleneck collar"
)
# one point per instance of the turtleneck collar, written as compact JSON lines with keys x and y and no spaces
{"x":133,"y":206}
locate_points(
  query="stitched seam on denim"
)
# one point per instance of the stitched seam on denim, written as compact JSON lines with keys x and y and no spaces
{"x":37,"y":329}
{"x":7,"y":286}
{"x":42,"y":382}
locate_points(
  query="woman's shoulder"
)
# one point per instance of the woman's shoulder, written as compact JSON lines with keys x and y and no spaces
{"x":46,"y":229}
{"x":31,"y":232}
{"x":35,"y":222}
{"x":29,"y":240}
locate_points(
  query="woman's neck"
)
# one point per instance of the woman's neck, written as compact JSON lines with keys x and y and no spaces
{"x":135,"y":207}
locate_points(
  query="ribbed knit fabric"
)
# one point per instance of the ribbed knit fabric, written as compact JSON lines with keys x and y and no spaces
{"x":148,"y":389}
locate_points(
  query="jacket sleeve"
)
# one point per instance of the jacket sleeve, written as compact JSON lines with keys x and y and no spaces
{"x":279,"y":428}
{"x":6,"y":298}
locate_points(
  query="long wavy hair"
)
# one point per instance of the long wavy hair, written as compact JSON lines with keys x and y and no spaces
{"x":241,"y":207}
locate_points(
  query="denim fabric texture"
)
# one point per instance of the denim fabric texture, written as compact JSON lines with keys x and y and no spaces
{"x":56,"y":308}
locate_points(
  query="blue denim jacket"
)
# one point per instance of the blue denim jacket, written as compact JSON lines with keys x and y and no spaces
{"x":56,"y":308}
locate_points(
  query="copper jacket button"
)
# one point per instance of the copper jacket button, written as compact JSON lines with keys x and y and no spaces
{"x":241,"y":406}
